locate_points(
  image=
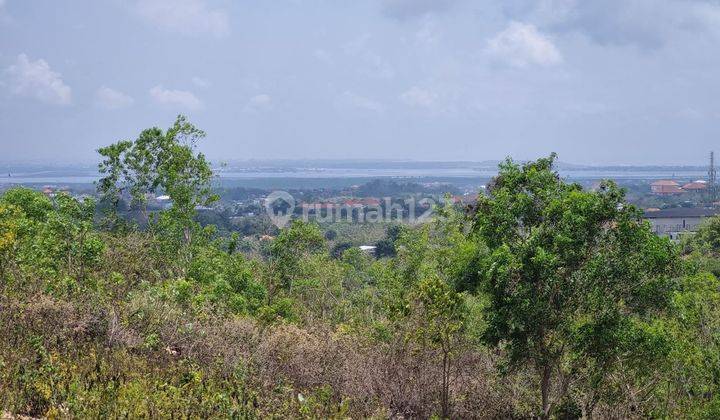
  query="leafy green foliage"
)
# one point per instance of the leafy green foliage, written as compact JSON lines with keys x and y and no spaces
{"x":441,"y":317}
{"x":291,"y":246}
{"x":10,"y":220}
{"x":694,"y":362}
{"x":568,"y":270}
{"x":33,"y":204}
{"x":57,"y":238}
{"x":386,"y":246}
{"x":706,"y":240}
{"x":545,"y":286}
{"x":228,"y":279}
{"x":155,"y":162}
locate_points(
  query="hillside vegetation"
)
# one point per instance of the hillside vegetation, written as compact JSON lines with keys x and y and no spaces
{"x":542,"y":300}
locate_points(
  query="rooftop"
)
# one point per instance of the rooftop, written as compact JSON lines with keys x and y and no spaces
{"x":695,"y":186}
{"x":665,"y":182}
{"x":680,"y":212}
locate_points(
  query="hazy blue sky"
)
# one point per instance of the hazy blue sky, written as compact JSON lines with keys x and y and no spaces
{"x":598,"y":81}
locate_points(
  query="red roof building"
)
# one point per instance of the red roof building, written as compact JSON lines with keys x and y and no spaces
{"x":370,"y":201}
{"x":665,"y":187}
{"x":694,"y":186}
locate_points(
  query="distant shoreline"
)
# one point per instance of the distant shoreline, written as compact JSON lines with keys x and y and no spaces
{"x":279,"y":177}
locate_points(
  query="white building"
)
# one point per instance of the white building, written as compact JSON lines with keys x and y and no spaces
{"x":677,"y":221}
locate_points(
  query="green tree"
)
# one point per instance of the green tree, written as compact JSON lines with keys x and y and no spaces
{"x":692,"y":379}
{"x":440,"y":316}
{"x":226,"y":279}
{"x":70,"y":237}
{"x":33,"y":204}
{"x":386,"y":246}
{"x":318,"y":286}
{"x":703,"y":247}
{"x":291,"y":246}
{"x":10,"y":217}
{"x":24,"y":213}
{"x":706,"y":240}
{"x":419,"y":290}
{"x":559,"y":256}
{"x":159,"y":161}
{"x":113,"y":184}
{"x":53,"y":237}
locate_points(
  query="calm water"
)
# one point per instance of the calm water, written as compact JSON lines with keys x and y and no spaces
{"x":89,"y":177}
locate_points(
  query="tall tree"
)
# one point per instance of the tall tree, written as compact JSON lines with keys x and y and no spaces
{"x":155,"y":162}
{"x":568,"y":271}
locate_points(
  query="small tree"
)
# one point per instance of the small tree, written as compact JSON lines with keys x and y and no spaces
{"x":694,"y":368}
{"x":439,"y":314}
{"x":706,"y":240}
{"x":10,"y":218}
{"x":71,"y":230}
{"x":52,"y":237}
{"x":562,"y":260}
{"x":419,"y":291}
{"x":34,"y":205}
{"x":291,"y":246}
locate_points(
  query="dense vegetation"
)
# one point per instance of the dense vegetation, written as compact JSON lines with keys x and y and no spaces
{"x":542,"y":300}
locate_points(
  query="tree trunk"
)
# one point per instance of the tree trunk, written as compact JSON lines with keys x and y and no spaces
{"x":82,"y":260}
{"x":545,"y":390}
{"x":187,"y":234}
{"x":445,"y":398}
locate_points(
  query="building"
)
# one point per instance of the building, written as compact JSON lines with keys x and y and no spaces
{"x":677,"y":221}
{"x":163,"y":202}
{"x":698,"y":185}
{"x":370,"y":202}
{"x":665,"y":186}
{"x":465,"y":199}
{"x":370,"y":249}
{"x":364,"y":202}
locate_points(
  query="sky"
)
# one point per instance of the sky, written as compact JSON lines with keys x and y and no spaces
{"x":597,"y":81}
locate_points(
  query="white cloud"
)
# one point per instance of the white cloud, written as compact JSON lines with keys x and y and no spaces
{"x":521,"y":45}
{"x":184,"y":16}
{"x":171,"y":97}
{"x":200,"y":82}
{"x":648,"y":24}
{"x":36,"y":79}
{"x":416,"y":96}
{"x":357,"y":101}
{"x":112,"y":99}
{"x":259,"y":103}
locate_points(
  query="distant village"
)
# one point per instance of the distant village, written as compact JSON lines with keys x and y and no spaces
{"x":673,"y":207}
{"x":665,"y":186}
{"x":687,"y":204}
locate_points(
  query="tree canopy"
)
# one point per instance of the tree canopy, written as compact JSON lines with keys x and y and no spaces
{"x":568,"y":271}
{"x":159,"y":161}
